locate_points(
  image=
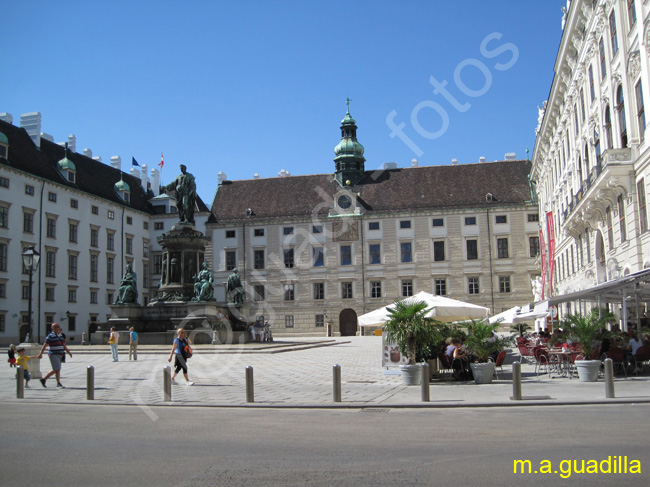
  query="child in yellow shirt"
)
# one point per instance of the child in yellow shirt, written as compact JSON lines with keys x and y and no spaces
{"x":22,"y":360}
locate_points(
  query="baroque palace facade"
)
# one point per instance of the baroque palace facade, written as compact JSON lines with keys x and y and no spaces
{"x":591,"y":160}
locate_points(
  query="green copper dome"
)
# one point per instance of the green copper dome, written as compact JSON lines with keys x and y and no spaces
{"x":348,"y":147}
{"x":121,"y":186}
{"x":66,"y":164}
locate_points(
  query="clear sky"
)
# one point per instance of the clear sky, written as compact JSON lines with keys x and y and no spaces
{"x":250,"y":86}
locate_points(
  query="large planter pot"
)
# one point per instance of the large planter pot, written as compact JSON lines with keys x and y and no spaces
{"x":483,"y":373}
{"x":411,"y":374}
{"x":588,"y":370}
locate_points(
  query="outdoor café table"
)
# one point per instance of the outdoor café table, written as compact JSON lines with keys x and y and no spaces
{"x":562,"y":362}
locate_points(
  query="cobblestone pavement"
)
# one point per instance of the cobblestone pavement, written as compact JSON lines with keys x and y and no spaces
{"x":296,"y":373}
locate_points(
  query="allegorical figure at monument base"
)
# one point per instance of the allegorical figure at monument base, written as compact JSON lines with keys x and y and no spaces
{"x":203,"y":285}
{"x":235,"y":289}
{"x":128,"y":292}
{"x":185,"y":188}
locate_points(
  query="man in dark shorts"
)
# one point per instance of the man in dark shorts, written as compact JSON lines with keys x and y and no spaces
{"x":55,"y":340}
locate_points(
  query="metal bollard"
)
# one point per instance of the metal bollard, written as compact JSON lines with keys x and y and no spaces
{"x":336,"y":392}
{"x":250,"y":385}
{"x":516,"y":381}
{"x":425,"y":382}
{"x":609,"y":378}
{"x":90,"y":383}
{"x":20,"y":382}
{"x":167,"y":383}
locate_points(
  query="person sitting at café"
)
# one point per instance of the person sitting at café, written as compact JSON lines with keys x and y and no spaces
{"x":459,"y":360}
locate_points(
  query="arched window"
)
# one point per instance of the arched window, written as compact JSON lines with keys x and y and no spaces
{"x":608,"y":128}
{"x":621,"y":115}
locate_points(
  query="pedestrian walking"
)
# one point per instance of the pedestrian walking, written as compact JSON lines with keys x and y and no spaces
{"x":12,"y":355}
{"x":23,"y":360}
{"x":55,"y":341}
{"x":179,"y":352}
{"x":133,"y":343}
{"x":113,"y":341}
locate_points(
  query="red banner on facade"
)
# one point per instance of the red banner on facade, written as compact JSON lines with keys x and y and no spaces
{"x":542,"y":244}
{"x":551,"y":250}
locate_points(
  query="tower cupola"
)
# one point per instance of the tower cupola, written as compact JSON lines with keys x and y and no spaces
{"x":349,"y":153}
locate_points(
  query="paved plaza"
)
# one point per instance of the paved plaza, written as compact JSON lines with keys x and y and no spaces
{"x":292,"y":372}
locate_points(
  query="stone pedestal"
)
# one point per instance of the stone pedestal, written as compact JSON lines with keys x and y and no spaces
{"x":34,"y":365}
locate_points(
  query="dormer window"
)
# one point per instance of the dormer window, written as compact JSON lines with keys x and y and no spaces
{"x":4,"y":145}
{"x":123,"y":191}
{"x":67,"y":169}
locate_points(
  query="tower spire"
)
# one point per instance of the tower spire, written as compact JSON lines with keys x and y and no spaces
{"x":349,"y":152}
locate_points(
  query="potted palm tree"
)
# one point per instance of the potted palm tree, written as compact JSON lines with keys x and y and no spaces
{"x":482,"y":343}
{"x":408,"y":327}
{"x":585,"y":331}
{"x":520,"y":328}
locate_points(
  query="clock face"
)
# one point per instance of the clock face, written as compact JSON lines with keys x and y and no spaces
{"x":344,"y":202}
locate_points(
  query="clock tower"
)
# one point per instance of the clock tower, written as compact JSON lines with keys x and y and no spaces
{"x":349,"y":153}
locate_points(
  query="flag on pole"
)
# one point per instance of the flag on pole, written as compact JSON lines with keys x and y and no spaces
{"x":162,"y":161}
{"x":134,"y":162}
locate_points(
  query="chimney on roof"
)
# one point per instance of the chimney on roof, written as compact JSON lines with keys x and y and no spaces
{"x":481,"y":159}
{"x":97,"y":158}
{"x":7,"y":117}
{"x":256,"y":175}
{"x":390,"y":165}
{"x":283,"y":173}
{"x":50,"y":138}
{"x":116,"y":162}
{"x":454,"y":162}
{"x":155,"y":181}
{"x":414,"y":163}
{"x":510,"y":156}
{"x":221,"y":177}
{"x":88,"y":153}
{"x":72,"y":143}
{"x":134,"y":172}
{"x":144,"y":177}
{"x":31,"y":122}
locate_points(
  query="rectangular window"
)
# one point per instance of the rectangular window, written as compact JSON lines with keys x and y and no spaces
{"x":374,"y":253}
{"x":533,"y":245}
{"x":501,"y":219}
{"x":111,"y":215}
{"x":3,"y":323}
{"x":472,"y":249}
{"x":288,"y":321}
{"x":3,"y":256}
{"x":258,"y":259}
{"x":582,"y":103}
{"x":289,"y":292}
{"x":640,"y":109}
{"x":50,"y":264}
{"x":438,"y":222}
{"x":592,"y":91}
{"x":72,"y":295}
{"x":3,"y":290}
{"x":258,"y":232}
{"x":405,"y":252}
{"x":49,"y":293}
{"x":129,"y":220}
{"x":472,"y":285}
{"x":373,"y":225}
{"x":25,"y":292}
{"x":145,"y":276}
{"x":145,"y":249}
{"x":287,"y":230}
{"x":643,"y":216}
{"x":470,"y":220}
{"x":109,"y":298}
{"x":319,"y":290}
{"x":129,"y":245}
{"x":504,"y":284}
{"x":407,"y":288}
{"x":28,"y":222}
{"x":610,"y":230}
{"x":259,"y":292}
{"x":631,"y":13}
{"x":621,"y":218}
{"x":94,"y":237}
{"x":502,"y":248}
{"x":4,"y":217}
{"x":603,"y":64}
{"x":405,"y":224}
{"x":29,"y":189}
{"x":346,"y":290}
{"x":51,"y":197}
{"x":157,"y":264}
{"x":588,"y":245}
{"x":231,"y":259}
{"x":346,"y":255}
{"x":94,"y":210}
{"x":110,"y":270}
{"x":317,"y":229}
{"x":581,"y":256}
{"x":438,"y":250}
{"x":612,"y":33}
{"x":319,"y":321}
{"x":533,"y":217}
{"x":110,"y":240}
{"x":230,"y":233}
{"x":159,"y":225}
{"x":317,"y":255}
{"x":51,"y":227}
{"x":72,"y":267}
{"x":288,"y":258}
{"x":93,"y":297}
{"x":375,"y":289}
{"x":94,"y":268}
{"x":441,"y":287}
{"x":73,"y":232}
{"x":4,"y":182}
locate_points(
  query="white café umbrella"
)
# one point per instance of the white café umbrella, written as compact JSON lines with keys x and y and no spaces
{"x":518,"y":315}
{"x":442,"y":309}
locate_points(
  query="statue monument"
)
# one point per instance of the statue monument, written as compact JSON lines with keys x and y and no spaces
{"x":128,"y":292}
{"x":185,"y":188}
{"x":234,"y":289}
{"x":203,"y":285}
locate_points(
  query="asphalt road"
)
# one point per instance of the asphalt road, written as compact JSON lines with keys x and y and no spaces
{"x":94,"y":445}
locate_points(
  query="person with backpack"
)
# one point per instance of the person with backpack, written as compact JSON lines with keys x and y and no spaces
{"x":181,"y":350}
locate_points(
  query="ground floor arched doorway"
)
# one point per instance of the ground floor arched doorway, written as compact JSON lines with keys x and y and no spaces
{"x":348,"y":322}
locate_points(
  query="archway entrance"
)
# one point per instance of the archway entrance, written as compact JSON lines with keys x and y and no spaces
{"x":348,"y":322}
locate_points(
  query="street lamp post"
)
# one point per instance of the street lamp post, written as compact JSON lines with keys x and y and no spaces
{"x":31,"y":258}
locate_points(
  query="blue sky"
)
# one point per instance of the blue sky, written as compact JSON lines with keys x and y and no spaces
{"x":258,"y":86}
